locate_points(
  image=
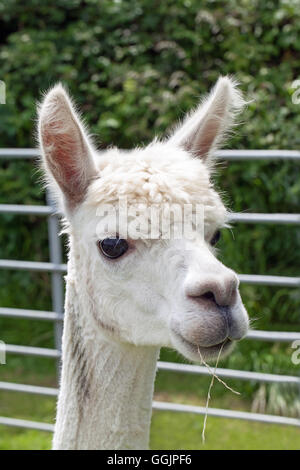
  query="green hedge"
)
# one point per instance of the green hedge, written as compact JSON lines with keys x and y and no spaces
{"x":134,"y":68}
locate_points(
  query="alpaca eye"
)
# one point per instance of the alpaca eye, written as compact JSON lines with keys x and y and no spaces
{"x":113,"y":247}
{"x":215,"y":238}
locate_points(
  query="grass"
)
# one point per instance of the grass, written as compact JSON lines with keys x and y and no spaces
{"x":17,"y":439}
{"x":168,"y":430}
{"x":181,"y":431}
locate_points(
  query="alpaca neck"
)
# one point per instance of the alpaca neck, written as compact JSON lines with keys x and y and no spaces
{"x":106,"y":391}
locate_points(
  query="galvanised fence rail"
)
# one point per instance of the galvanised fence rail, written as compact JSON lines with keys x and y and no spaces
{"x":57,"y":270}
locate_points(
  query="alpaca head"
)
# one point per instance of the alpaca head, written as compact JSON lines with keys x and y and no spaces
{"x":139,"y":285}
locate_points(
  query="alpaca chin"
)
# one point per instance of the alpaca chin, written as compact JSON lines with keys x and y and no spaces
{"x":197,"y":353}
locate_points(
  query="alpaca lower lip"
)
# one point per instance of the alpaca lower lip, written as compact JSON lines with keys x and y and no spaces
{"x":204,"y":350}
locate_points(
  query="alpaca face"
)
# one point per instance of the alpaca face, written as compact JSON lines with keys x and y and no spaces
{"x":143,"y":277}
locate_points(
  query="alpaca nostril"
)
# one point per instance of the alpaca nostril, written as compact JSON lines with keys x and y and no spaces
{"x":208,"y":296}
{"x":220,"y":291}
{"x":211,"y":297}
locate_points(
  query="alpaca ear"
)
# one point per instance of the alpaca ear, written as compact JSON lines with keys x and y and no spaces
{"x":203,"y":129}
{"x":66,"y":151}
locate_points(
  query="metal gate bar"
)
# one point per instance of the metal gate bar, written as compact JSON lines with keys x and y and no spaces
{"x":255,"y":279}
{"x":57,"y":269}
{"x":219,"y":413}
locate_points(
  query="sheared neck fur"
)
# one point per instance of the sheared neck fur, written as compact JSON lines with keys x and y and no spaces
{"x":105,"y":398}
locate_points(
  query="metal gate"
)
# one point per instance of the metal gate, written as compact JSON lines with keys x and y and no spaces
{"x":57,"y":270}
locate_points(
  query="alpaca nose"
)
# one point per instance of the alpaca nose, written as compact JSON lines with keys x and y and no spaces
{"x":219,"y":290}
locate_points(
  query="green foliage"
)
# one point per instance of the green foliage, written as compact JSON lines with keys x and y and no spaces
{"x":135,"y":68}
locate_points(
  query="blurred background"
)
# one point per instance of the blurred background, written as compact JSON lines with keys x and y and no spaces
{"x":134,"y":68}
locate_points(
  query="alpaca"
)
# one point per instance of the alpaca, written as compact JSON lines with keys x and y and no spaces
{"x":128,"y":297}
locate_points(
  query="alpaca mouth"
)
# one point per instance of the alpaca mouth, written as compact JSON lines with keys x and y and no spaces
{"x":203,"y":352}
